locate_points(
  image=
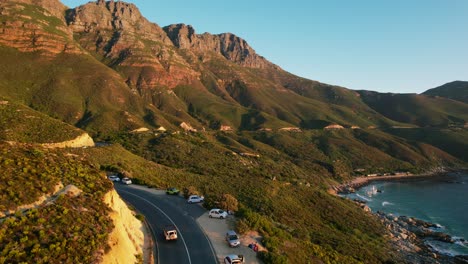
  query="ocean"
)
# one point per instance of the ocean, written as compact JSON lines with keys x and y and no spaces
{"x":442,"y":200}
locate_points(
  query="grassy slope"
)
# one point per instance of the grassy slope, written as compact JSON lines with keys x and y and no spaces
{"x":420,"y":110}
{"x":289,"y":175}
{"x":339,"y":233}
{"x":76,"y":89}
{"x":457,"y":90}
{"x":453,"y":141}
{"x":265,"y":91}
{"x":22,"y":124}
{"x":72,"y":229}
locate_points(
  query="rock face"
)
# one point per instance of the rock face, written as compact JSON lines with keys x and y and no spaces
{"x":82,"y":141}
{"x":228,"y":45}
{"x":55,"y":7}
{"x":42,"y":30}
{"x":127,"y":239}
{"x":125,"y":39}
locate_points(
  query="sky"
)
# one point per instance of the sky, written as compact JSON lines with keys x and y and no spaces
{"x":399,"y":46}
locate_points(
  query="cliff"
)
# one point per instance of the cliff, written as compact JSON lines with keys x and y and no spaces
{"x":127,"y":239}
{"x":36,"y":26}
{"x":228,"y":45}
{"x":123,"y":39}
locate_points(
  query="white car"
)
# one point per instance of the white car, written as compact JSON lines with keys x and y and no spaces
{"x":232,"y":238}
{"x":126,"y":181}
{"x":234,"y":259}
{"x":217,"y":213}
{"x":195,"y":199}
{"x":114,"y":178}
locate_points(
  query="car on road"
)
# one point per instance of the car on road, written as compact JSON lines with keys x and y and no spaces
{"x":195,"y":199}
{"x":126,"y":181}
{"x":217,"y":213}
{"x":232,"y":238}
{"x":114,"y":178}
{"x":170,"y":232}
{"x":173,"y":191}
{"x":234,"y":259}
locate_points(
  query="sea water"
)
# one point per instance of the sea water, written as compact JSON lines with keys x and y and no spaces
{"x":441,"y":200}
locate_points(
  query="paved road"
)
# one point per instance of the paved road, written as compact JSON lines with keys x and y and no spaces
{"x":192,"y":246}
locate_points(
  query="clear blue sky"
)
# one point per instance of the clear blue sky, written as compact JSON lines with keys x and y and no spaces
{"x":401,"y":46}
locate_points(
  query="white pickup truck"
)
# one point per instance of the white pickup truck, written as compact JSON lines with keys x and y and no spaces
{"x":170,"y":232}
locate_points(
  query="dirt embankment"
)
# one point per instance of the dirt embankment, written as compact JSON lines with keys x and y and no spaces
{"x":127,"y":239}
{"x":81,"y":141}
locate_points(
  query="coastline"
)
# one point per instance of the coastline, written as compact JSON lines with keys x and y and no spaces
{"x":356,"y":183}
{"x":408,"y":235}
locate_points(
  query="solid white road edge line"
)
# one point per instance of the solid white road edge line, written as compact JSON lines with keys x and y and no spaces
{"x":159,"y":209}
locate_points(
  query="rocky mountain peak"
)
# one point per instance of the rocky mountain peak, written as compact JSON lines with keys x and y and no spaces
{"x":114,"y":16}
{"x":183,"y":36}
{"x":228,"y":45}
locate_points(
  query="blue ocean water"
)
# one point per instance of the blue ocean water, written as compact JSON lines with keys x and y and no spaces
{"x":441,"y":200}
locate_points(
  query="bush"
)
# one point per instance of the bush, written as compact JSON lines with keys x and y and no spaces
{"x":229,"y":203}
{"x":272,"y":258}
{"x":191,"y":190}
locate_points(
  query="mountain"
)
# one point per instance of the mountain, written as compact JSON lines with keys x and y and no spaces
{"x":457,"y":90}
{"x":205,"y":112}
{"x":420,"y":110}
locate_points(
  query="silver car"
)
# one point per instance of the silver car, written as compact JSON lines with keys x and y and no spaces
{"x":232,"y":238}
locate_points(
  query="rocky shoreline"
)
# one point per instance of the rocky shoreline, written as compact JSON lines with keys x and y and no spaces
{"x":409,"y":236}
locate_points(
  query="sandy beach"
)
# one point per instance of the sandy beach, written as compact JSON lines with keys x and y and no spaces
{"x":359,"y":182}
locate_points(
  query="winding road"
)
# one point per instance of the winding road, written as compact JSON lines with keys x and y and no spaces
{"x":159,"y":209}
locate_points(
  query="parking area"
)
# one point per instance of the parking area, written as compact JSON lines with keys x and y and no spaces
{"x":216,"y":230}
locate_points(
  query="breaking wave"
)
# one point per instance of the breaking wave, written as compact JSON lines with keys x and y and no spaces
{"x":386,"y":203}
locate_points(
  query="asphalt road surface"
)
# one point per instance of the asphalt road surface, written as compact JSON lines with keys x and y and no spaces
{"x":192,"y":245}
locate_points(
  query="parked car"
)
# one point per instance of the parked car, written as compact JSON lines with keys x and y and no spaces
{"x":173,"y":191}
{"x":195,"y":199}
{"x":114,"y":178}
{"x":170,"y":232}
{"x":217,"y":213}
{"x":126,"y":181}
{"x":232,"y":238}
{"x":234,"y":259}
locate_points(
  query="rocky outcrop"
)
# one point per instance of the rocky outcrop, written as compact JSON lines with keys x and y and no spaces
{"x":290,"y":129}
{"x":41,"y":30}
{"x":226,"y":128}
{"x":333,"y":126}
{"x":46,"y":199}
{"x":54,"y":7}
{"x":126,"y":241}
{"x":81,"y":141}
{"x":187,"y":127}
{"x":140,"y":130}
{"x":141,"y":49}
{"x":409,"y":234}
{"x":228,"y":45}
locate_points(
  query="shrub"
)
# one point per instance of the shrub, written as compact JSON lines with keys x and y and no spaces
{"x":229,"y":202}
{"x":191,"y":190}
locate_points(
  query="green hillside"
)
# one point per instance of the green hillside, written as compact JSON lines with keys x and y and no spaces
{"x":416,"y":109}
{"x":22,"y":124}
{"x":124,"y":73}
{"x":457,"y":90}
{"x":63,"y":229}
